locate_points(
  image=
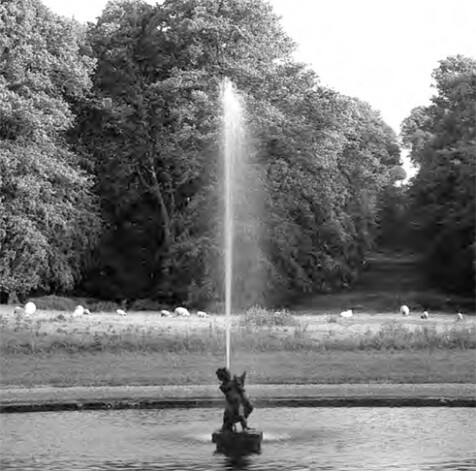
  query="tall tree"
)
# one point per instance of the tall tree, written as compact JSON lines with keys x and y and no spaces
{"x":157,"y":82}
{"x":47,"y":213}
{"x":154,"y":130}
{"x":442,"y":140}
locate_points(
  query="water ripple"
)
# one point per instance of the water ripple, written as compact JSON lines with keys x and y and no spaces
{"x":394,"y":439}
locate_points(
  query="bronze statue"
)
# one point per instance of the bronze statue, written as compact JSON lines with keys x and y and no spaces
{"x":238,"y":407}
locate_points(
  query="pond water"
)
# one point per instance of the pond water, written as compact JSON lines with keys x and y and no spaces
{"x":416,"y":439}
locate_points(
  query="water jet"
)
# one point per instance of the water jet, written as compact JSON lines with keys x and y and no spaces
{"x":238,"y":407}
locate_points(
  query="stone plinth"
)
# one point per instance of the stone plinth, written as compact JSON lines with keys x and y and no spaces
{"x":238,"y":443}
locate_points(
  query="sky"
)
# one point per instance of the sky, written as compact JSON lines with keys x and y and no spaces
{"x":382,"y":52}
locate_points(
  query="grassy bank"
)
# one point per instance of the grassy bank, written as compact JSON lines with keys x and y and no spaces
{"x":132,"y":368}
{"x":251,"y":333}
{"x":56,"y":348}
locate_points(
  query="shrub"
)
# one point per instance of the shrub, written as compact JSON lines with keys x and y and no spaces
{"x":55,"y":303}
{"x":146,"y":305}
{"x":259,"y":317}
{"x":103,"y":306}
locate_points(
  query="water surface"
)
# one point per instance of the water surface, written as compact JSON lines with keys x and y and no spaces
{"x":416,"y":439}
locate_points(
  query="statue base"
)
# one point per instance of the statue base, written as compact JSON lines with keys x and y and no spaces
{"x":238,"y":443}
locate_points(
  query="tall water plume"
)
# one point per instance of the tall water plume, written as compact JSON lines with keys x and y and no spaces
{"x":233,"y":151}
{"x":242,"y":213}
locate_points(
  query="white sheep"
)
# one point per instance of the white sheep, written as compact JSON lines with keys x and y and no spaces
{"x":181,"y":311}
{"x":347,"y":314}
{"x":404,"y":310}
{"x":459,"y":317}
{"x":202,"y":314}
{"x":79,"y":311}
{"x":424,"y":315}
{"x":30,"y":308}
{"x":121,"y":312}
{"x":165,"y":313}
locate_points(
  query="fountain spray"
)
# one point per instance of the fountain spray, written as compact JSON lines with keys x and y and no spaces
{"x":228,"y":439}
{"x":233,"y":145}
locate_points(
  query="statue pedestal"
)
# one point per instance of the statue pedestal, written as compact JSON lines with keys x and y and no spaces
{"x":229,"y":442}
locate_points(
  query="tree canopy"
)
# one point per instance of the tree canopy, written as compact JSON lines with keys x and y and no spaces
{"x":47,"y":216}
{"x":135,"y":102}
{"x":153,"y":126}
{"x":442,"y":141}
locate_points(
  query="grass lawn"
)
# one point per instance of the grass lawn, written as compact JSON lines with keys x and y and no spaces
{"x":58,"y":349}
{"x":159,"y":368}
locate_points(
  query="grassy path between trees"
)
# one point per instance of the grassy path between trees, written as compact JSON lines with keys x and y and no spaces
{"x":286,"y":367}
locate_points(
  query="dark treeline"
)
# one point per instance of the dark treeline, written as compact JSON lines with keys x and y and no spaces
{"x":441,"y":200}
{"x":110,"y":170}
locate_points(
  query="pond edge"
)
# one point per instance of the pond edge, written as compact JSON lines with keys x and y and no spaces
{"x":191,"y":403}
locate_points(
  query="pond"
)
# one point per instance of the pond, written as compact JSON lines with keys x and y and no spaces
{"x":426,"y":439}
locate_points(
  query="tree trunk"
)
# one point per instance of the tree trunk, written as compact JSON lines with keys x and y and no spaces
{"x":152,"y":185}
{"x":164,"y":214}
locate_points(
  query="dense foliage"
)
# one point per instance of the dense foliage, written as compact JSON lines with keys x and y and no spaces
{"x":148,"y":128}
{"x":442,"y":140}
{"x":153,"y":126}
{"x":47,"y":215}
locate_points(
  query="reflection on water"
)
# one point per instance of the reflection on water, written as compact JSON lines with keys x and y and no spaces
{"x":413,"y":439}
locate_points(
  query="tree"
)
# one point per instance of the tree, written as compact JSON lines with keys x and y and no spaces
{"x":157,"y":83}
{"x":47,"y":216}
{"x":153,"y":127}
{"x":442,"y":141}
